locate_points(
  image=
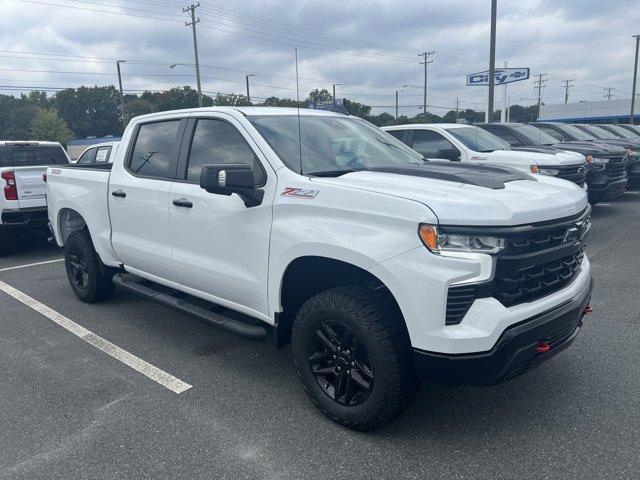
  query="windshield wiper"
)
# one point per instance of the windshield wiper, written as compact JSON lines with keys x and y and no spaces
{"x":334,"y":173}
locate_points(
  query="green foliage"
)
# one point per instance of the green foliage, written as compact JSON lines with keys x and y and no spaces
{"x":95,"y":111}
{"x":90,"y":110}
{"x":47,"y":125}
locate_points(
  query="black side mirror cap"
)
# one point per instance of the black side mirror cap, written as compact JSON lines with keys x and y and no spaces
{"x":448,"y":154}
{"x":229,"y":178}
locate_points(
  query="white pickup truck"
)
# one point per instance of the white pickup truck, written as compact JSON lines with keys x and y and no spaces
{"x":321,"y":230}
{"x":22,"y":202}
{"x":469,"y":144}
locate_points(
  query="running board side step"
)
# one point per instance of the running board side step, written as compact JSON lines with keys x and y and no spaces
{"x":251,"y":332}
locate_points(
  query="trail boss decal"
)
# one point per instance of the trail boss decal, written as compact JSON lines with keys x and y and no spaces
{"x":299,"y":192}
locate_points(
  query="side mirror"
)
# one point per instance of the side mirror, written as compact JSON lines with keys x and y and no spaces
{"x":449,"y":154}
{"x":225,"y":179}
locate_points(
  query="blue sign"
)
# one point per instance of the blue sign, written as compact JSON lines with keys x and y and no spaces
{"x":502,"y":76}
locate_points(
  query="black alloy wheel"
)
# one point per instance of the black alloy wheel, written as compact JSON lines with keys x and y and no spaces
{"x":341,"y":364}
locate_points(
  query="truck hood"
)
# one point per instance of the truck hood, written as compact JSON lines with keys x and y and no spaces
{"x":536,"y":156}
{"x":591,"y":148}
{"x":458,"y":203}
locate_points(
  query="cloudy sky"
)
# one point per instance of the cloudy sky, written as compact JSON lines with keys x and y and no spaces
{"x":368,"y":47}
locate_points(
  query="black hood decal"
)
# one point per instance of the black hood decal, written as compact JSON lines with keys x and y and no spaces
{"x":486,"y":176}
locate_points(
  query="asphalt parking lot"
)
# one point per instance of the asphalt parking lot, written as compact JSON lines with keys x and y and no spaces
{"x":69,"y":410}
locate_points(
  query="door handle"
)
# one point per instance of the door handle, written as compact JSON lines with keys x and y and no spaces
{"x":183,"y":202}
{"x":119,"y":193}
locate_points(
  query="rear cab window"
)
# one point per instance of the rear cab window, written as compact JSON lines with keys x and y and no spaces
{"x":29,"y":155}
{"x":87,"y":157}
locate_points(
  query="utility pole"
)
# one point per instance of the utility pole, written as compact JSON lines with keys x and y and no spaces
{"x":492,"y":61}
{"x":124,"y":121}
{"x":567,"y":85}
{"x":635,"y":77}
{"x":334,"y":92}
{"x":426,"y":62}
{"x":607,"y":95}
{"x":503,"y":114}
{"x":539,"y":85}
{"x":396,"y":107}
{"x":192,"y":10}
{"x":457,"y":108}
{"x":247,"y":79}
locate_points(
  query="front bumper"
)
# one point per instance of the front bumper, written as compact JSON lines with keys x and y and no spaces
{"x":598,"y":193}
{"x":514,"y":353}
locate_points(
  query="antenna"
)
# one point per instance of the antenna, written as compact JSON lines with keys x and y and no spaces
{"x":298,"y":103}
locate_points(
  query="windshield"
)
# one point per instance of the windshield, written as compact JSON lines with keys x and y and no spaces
{"x":576,"y":134}
{"x":534,"y":135}
{"x":621,"y":132}
{"x":331,"y":145}
{"x":597,"y":132}
{"x":478,"y":139}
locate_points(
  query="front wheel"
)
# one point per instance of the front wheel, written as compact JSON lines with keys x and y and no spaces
{"x":90,"y":280}
{"x":353,"y":357}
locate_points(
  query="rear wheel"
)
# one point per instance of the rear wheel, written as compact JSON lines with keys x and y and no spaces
{"x":7,"y":241}
{"x":90,"y":280}
{"x":353,"y":357}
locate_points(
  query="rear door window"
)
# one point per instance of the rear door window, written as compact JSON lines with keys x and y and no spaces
{"x":428,"y":143}
{"x":155,"y":150}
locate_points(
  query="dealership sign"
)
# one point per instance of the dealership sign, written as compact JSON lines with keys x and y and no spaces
{"x":502,"y":76}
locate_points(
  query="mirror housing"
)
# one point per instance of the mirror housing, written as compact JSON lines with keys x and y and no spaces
{"x":448,"y":154}
{"x":229,"y":178}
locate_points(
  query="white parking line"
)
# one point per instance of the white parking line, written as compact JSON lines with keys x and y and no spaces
{"x":31,"y":264}
{"x":154,"y":373}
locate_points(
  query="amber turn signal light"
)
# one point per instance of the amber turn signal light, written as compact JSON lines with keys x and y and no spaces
{"x":429,"y":236}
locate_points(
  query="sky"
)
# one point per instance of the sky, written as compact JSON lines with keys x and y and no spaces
{"x":369,"y":49}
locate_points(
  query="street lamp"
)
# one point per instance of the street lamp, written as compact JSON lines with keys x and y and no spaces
{"x":124,"y":122}
{"x":247,"y":79}
{"x":400,"y":90}
{"x":197,"y":78}
{"x":334,"y":93}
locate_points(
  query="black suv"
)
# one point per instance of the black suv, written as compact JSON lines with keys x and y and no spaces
{"x":606,"y":175}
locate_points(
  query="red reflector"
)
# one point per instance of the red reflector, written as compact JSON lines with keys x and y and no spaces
{"x":10,"y":189}
{"x":587,"y":309}
{"x":543,"y":347}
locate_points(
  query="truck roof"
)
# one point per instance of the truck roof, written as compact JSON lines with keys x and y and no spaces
{"x":417,"y":126}
{"x":247,"y":111}
{"x":25,"y":143}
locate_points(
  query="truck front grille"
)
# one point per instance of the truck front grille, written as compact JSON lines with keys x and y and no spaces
{"x":538,"y":260}
{"x":616,"y":167}
{"x":574,"y":173}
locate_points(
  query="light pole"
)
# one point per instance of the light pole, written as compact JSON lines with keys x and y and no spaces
{"x":400,"y":90}
{"x":492,"y":61}
{"x":124,"y":122}
{"x":635,"y":77}
{"x":334,"y":92}
{"x":247,"y":79}
{"x":192,"y":66}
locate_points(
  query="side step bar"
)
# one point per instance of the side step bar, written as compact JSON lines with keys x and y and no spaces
{"x":251,"y":332}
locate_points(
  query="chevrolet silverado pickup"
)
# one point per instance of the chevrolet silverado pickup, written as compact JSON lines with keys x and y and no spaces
{"x":603,"y":169}
{"x":470,"y":144}
{"x":320,"y":230}
{"x":22,"y":201}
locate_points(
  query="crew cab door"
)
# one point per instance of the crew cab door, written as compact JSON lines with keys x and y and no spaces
{"x":220,"y":246}
{"x":138,"y":200}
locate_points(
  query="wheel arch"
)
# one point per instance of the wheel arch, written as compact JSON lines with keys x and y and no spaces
{"x":305,"y":276}
{"x":69,"y":221}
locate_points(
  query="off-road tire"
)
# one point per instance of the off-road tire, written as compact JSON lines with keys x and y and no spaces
{"x":97,"y":284}
{"x":374,"y":318}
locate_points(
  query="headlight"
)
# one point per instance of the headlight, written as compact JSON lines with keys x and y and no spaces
{"x":548,"y":171}
{"x":438,"y":242}
{"x":603,"y":161}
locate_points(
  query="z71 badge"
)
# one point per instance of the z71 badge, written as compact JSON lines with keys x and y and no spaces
{"x":300,"y":192}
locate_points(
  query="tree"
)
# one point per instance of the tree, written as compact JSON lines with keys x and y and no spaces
{"x":280,"y":102}
{"x":320,"y":95}
{"x":90,"y":111}
{"x":48,"y":125}
{"x":19,"y":122}
{"x":137,"y":106}
{"x":232,"y":100}
{"x":383,"y":120}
